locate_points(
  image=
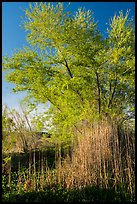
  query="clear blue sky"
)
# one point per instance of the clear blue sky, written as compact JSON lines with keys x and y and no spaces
{"x":13,"y":36}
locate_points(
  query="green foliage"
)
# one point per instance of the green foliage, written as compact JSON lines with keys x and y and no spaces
{"x":69,"y":64}
{"x":56,"y":193}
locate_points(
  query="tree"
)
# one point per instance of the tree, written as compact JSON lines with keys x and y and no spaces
{"x":70,"y":65}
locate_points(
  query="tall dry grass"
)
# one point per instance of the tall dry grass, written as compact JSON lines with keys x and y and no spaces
{"x":103,"y":155}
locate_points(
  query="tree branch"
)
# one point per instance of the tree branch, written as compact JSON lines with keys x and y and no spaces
{"x":113,"y":93}
{"x":71,"y":75}
{"x":53,"y":104}
{"x":68,"y":68}
{"x":110,"y":86}
{"x":99,"y":92}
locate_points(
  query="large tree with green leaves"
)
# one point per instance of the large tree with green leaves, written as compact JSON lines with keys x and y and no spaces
{"x":70,"y":65}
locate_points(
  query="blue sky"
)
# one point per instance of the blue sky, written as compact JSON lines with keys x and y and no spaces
{"x":13,"y":36}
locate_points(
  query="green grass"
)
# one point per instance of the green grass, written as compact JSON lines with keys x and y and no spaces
{"x":58,"y":194}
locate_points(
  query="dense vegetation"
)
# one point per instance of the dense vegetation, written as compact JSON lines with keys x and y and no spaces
{"x":89,"y":83}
